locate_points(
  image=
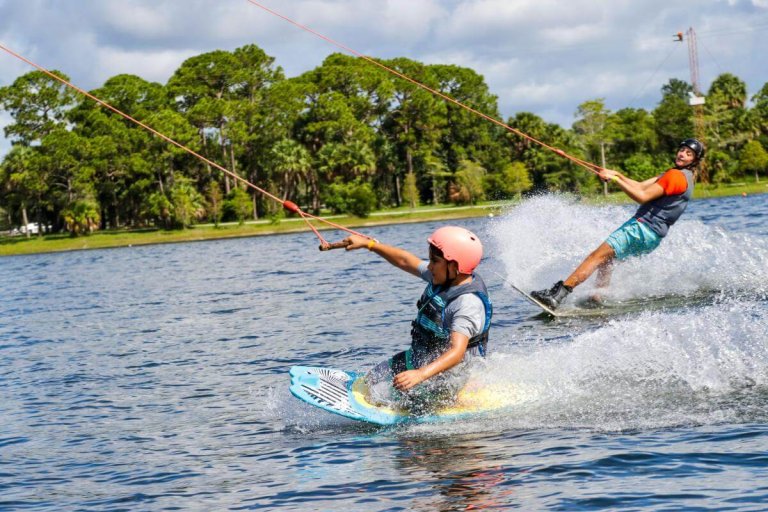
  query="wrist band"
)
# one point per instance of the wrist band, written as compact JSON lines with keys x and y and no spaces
{"x":371,"y":243}
{"x":615,"y":178}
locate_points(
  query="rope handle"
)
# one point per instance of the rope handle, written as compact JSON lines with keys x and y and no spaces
{"x":335,"y":245}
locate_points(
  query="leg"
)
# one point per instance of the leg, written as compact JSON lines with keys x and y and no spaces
{"x":604,"y":273}
{"x":379,"y":380}
{"x":600,"y":257}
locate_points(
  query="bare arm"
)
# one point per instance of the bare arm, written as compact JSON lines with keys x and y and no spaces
{"x":453,"y":356}
{"x":650,"y":181}
{"x":640,"y":191}
{"x":400,"y":258}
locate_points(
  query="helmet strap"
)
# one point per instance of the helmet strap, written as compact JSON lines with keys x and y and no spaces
{"x":451,"y":281}
{"x":448,"y":279}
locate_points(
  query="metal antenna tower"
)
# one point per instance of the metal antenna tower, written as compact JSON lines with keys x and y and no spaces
{"x":696,"y":98}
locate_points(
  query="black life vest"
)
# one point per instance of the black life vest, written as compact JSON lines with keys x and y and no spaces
{"x":661,"y":213}
{"x":429,"y":336}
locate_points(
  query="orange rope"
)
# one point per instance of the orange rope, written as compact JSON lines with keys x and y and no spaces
{"x":288,"y":205}
{"x":587,"y":165}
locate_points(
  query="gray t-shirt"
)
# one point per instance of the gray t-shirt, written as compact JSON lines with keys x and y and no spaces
{"x":465,"y":315}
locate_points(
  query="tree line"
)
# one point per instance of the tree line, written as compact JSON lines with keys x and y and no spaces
{"x":345,"y":137}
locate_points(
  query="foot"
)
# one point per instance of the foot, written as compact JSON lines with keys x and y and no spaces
{"x":553,"y":297}
{"x":594,"y":301}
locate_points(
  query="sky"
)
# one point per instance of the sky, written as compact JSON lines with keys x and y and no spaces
{"x":540,"y":56}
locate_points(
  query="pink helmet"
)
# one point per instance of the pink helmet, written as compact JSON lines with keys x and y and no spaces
{"x":459,"y":245}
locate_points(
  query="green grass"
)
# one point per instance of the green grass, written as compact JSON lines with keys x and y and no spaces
{"x":17,"y":245}
{"x":732,"y":189}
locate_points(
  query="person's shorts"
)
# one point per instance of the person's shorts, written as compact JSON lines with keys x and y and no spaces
{"x":437,"y":391}
{"x":633,"y":238}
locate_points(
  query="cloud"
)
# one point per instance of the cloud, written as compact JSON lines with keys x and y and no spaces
{"x":542,"y":56}
{"x":153,"y":66}
{"x":5,"y":144}
{"x":760,"y":4}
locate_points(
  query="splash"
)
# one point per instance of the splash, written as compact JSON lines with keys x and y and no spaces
{"x":543,"y":239}
{"x":659,"y":369}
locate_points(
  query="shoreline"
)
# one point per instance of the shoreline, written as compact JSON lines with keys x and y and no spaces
{"x":19,"y":245}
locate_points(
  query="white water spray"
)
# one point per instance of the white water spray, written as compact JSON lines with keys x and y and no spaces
{"x":543,"y":239}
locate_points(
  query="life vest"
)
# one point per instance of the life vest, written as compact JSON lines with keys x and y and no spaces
{"x":429,"y":335}
{"x":661,"y":213}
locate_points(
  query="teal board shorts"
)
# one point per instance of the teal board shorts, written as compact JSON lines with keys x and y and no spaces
{"x":633,"y":238}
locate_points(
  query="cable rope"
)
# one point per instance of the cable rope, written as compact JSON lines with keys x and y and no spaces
{"x":587,"y":165}
{"x":288,"y":205}
{"x":642,"y":89}
{"x":711,"y":56}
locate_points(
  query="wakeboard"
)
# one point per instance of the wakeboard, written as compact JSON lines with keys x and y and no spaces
{"x":546,"y":309}
{"x":589,"y":307}
{"x":346,"y":394}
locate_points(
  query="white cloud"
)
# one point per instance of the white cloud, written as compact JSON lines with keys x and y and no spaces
{"x":138,"y":21}
{"x":521,"y":14}
{"x":5,"y":144}
{"x":763,"y":4}
{"x":152,"y":66}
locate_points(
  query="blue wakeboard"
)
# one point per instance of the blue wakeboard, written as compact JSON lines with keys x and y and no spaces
{"x":346,"y":394}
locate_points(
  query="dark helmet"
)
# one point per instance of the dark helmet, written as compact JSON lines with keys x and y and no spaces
{"x":696,"y":146}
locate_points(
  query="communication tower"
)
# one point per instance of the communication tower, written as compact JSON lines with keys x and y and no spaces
{"x":696,"y":98}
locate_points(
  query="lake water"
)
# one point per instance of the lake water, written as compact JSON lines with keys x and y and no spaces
{"x":156,"y":378}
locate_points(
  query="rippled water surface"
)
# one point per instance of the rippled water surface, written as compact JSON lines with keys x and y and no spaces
{"x":154,"y":378}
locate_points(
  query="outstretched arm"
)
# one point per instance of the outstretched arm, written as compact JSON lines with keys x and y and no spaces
{"x":400,"y":258}
{"x":640,"y":191}
{"x":447,"y":360}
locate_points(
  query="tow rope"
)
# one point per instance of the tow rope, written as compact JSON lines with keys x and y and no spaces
{"x":593,"y":168}
{"x":287,"y":205}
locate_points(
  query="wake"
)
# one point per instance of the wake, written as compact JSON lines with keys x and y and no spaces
{"x":543,"y":239}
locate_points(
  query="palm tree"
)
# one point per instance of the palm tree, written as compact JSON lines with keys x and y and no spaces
{"x":348,"y":161}
{"x":187,"y":203}
{"x":729,"y":90}
{"x":291,"y":161}
{"x":19,"y":180}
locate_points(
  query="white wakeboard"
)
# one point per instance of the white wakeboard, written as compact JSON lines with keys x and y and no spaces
{"x":593,"y":308}
{"x":546,"y":309}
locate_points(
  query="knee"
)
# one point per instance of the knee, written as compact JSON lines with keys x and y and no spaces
{"x":604,"y":253}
